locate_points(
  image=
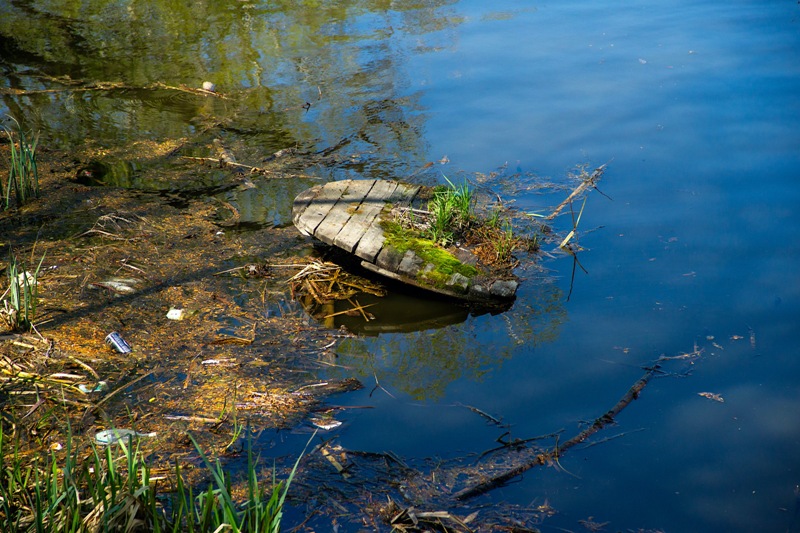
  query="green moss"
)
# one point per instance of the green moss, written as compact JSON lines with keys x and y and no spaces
{"x":444,"y":263}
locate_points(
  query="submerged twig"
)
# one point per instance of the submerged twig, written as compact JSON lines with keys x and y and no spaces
{"x":379,"y":386}
{"x":494,"y":420}
{"x":275,"y":174}
{"x":122,"y":388}
{"x":589,"y":182}
{"x":110,"y":86}
{"x":358,"y":308}
{"x":545,"y":457}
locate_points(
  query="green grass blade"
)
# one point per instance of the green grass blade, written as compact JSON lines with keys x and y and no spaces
{"x":279,"y":514}
{"x":222,"y":487}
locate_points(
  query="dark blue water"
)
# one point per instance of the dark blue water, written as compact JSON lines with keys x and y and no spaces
{"x":695,"y":106}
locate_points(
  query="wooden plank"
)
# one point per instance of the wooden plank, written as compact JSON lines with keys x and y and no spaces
{"x":409,"y":281}
{"x":405,"y":194}
{"x":347,"y":214}
{"x":372,"y":240}
{"x":344,"y":208}
{"x":320,"y":206}
{"x":365,"y":215}
{"x":301,"y":202}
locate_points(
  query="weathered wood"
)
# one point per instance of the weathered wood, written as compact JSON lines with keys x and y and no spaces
{"x":348,"y":214}
{"x":363,"y":217}
{"x":301,"y":202}
{"x":340,"y":213}
{"x":319,"y":207}
{"x":372,"y":240}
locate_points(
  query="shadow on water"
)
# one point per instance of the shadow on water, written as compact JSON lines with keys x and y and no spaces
{"x":398,"y":313}
{"x":422,"y":345}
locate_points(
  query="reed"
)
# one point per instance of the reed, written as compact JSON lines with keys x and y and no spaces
{"x":105,"y":491}
{"x":21,"y":297}
{"x":111,"y":490}
{"x":261,"y":513}
{"x":23,"y":174}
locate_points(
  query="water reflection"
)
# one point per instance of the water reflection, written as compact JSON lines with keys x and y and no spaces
{"x":102,"y":75}
{"x":443,"y":343}
{"x":395,"y":312}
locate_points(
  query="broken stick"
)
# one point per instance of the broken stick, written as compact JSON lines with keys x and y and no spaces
{"x":251,"y":169}
{"x":591,"y":181}
{"x":542,"y":458}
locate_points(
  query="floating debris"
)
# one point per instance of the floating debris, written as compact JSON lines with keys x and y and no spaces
{"x":320,"y":283}
{"x":27,"y":278}
{"x":113,"y":436}
{"x":326,"y":424}
{"x":118,"y":285}
{"x":116,"y":341}
{"x":330,"y":452}
{"x":712,"y":396}
{"x":175,"y":314}
{"x":100,"y":387}
{"x":226,"y":361}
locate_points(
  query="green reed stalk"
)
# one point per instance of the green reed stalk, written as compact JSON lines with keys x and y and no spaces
{"x":506,"y":242}
{"x":23,"y":175}
{"x":461,"y":201}
{"x":111,"y":491}
{"x":22,"y":296}
{"x":264,"y":507}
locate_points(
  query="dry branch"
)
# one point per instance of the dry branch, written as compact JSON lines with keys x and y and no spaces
{"x":109,"y":86}
{"x":590,"y":181}
{"x":253,"y":170}
{"x":544,"y":458}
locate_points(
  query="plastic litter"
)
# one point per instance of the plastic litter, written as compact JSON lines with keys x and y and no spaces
{"x":175,"y":314}
{"x":112,"y":436}
{"x":100,"y":387}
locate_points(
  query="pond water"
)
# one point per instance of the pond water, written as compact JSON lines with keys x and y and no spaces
{"x":693,"y":105}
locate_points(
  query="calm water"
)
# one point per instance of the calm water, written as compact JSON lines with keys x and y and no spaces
{"x":694,"y":105}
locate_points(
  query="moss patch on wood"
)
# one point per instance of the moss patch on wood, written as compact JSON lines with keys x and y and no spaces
{"x":444,"y":263}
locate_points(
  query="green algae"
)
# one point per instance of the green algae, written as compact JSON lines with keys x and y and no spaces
{"x":443,"y":262}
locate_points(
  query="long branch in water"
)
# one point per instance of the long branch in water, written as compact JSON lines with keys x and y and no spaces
{"x":543,"y":458}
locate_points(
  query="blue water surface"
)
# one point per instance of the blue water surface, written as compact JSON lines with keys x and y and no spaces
{"x":694,"y":106}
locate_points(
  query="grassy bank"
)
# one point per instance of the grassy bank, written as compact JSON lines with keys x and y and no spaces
{"x":94,"y":487}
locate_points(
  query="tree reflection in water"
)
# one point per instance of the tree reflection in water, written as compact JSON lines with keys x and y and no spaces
{"x":423,"y":363}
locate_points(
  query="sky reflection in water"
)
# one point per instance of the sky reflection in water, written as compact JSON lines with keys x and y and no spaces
{"x":695,"y":107}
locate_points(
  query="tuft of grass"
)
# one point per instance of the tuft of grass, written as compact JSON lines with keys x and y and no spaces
{"x":23,"y":175}
{"x":111,"y":490}
{"x":493,"y":220}
{"x":451,"y":212}
{"x":506,"y":242}
{"x":21,"y":297}
{"x":214,"y":508}
{"x":101,"y":492}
